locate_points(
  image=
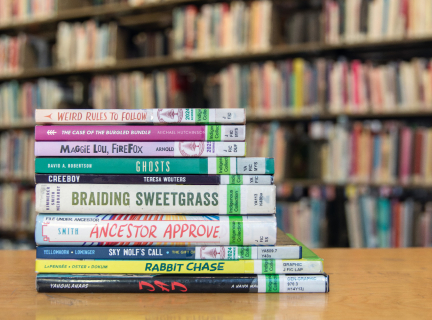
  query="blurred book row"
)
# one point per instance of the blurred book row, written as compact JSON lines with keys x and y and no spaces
{"x":387,"y":152}
{"x":207,"y":30}
{"x":222,"y":28}
{"x":16,"y":155}
{"x":17,"y":209}
{"x":272,"y":88}
{"x":18,"y":11}
{"x":396,"y":86}
{"x":365,"y":20}
{"x":375,"y":220}
{"x":19,"y":101}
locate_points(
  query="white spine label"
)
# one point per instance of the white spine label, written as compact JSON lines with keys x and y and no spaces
{"x":283,"y":283}
{"x":251,"y":165}
{"x":212,"y":166}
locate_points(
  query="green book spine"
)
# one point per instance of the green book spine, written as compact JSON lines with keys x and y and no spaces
{"x":155,"y":165}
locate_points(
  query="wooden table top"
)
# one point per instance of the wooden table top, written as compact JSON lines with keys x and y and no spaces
{"x":364,"y":284}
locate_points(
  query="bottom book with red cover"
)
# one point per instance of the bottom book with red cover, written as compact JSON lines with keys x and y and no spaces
{"x":123,"y":283}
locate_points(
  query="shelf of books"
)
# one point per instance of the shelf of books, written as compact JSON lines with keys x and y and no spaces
{"x":346,"y":104}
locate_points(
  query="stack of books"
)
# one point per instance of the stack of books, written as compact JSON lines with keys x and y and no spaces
{"x":114,"y":219}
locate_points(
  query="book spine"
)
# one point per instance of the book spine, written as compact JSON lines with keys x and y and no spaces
{"x":160,"y":116}
{"x":140,"y":133}
{"x":181,"y":283}
{"x":155,"y":179}
{"x":181,"y":266}
{"x":224,"y":166}
{"x":139,"y":149}
{"x":155,"y":199}
{"x":171,"y":253}
{"x":158,"y":230}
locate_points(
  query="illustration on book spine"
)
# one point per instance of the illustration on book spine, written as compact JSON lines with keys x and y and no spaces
{"x":140,"y":133}
{"x":139,"y":149}
{"x":155,"y":230}
{"x":174,"y":253}
{"x":160,"y":116}
{"x":91,"y":283}
{"x":181,"y":266}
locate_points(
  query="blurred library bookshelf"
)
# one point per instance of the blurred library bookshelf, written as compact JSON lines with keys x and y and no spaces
{"x":342,"y":96}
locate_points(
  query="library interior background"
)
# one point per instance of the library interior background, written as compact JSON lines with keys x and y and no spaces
{"x":339,"y":92}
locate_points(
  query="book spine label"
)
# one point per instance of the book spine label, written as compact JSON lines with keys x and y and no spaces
{"x":139,"y":149}
{"x":178,"y":266}
{"x":140,"y":133}
{"x":160,"y":116}
{"x":220,"y":165}
{"x":171,"y":253}
{"x":155,"y":179}
{"x":155,"y":199}
{"x":181,"y":283}
{"x":154,"y":230}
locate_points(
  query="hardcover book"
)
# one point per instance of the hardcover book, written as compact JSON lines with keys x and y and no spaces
{"x":154,"y":230}
{"x":155,"y":179}
{"x":157,"y":116}
{"x":155,"y":199}
{"x":124,"y":283}
{"x":140,"y":133}
{"x":155,"y":165}
{"x":181,"y":266}
{"x":139,"y":149}
{"x":285,"y":248}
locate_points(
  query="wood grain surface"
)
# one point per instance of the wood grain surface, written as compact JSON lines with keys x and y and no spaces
{"x":364,"y":284}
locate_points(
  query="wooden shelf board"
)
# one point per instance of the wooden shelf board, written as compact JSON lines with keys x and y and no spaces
{"x":18,"y":125}
{"x":329,"y":116}
{"x":311,"y":182}
{"x":16,"y":234}
{"x":28,"y":181}
{"x":94,"y":11}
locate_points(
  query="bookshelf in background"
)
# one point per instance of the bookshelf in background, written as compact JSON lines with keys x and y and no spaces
{"x":349,"y":79}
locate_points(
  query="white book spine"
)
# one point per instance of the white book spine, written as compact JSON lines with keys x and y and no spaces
{"x":162,"y":116}
{"x":155,"y":199}
{"x":60,"y":230}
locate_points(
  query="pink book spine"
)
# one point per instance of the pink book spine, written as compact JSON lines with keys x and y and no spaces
{"x":356,"y":89}
{"x":140,"y":133}
{"x":405,"y":155}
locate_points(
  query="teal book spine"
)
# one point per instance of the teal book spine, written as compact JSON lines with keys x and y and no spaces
{"x":384,"y":222}
{"x":217,"y":165}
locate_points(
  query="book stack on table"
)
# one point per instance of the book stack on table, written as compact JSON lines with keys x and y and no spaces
{"x":172,"y":207}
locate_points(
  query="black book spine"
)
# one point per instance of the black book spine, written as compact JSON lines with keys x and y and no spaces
{"x":128,"y":179}
{"x":147,"y":284}
{"x":121,"y":283}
